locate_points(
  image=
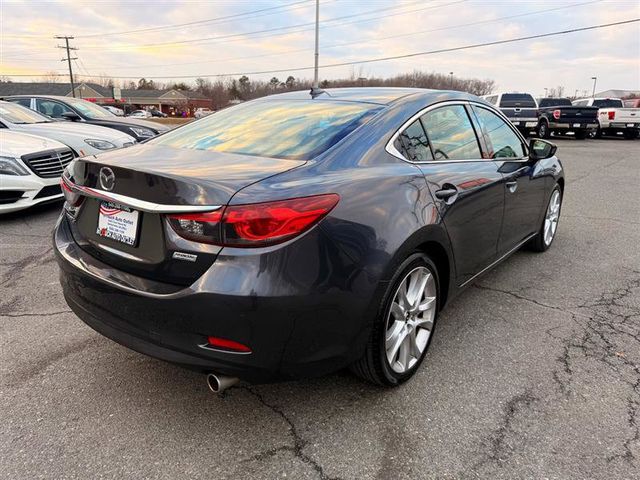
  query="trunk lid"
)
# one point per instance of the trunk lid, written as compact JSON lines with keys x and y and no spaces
{"x":154,"y":179}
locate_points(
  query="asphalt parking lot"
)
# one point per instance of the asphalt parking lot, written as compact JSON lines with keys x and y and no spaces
{"x":534,"y":372}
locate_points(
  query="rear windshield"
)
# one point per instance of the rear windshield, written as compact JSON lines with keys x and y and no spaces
{"x":608,"y":103}
{"x":273,"y":128}
{"x":554,"y":102}
{"x":517,"y":100}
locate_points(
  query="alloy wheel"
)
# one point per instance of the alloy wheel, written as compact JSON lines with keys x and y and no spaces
{"x":551,"y":218}
{"x":410,"y":319}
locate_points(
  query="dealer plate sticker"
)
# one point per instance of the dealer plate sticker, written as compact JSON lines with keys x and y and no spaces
{"x":117,"y":222}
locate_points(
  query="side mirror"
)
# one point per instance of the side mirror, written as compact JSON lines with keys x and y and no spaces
{"x":73,"y":116}
{"x":541,"y":149}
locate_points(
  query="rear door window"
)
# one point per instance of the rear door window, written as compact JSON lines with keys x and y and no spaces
{"x":501,"y":140}
{"x":52,"y":108}
{"x":25,"y":102}
{"x":451,"y":134}
{"x":608,"y":103}
{"x":413,"y":144}
{"x":517,"y":100}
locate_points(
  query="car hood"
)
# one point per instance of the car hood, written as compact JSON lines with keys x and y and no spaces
{"x":16,"y":144}
{"x":133,"y":121}
{"x":76,"y":130}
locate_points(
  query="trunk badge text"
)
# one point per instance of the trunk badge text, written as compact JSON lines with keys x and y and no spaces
{"x":185,"y":256}
{"x":107,"y":179}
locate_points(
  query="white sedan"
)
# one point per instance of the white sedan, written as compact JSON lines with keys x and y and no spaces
{"x":82,"y":138}
{"x":30,"y":169}
{"x":140,"y":114}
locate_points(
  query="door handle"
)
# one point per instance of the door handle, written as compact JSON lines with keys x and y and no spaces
{"x":446,"y":193}
{"x":512,"y":186}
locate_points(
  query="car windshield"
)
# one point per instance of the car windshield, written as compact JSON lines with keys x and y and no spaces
{"x":14,"y":113}
{"x":273,"y":128}
{"x":517,"y":100}
{"x":554,"y":102}
{"x":608,"y":103}
{"x":88,"y":109}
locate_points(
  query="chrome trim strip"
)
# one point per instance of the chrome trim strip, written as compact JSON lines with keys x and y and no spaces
{"x":499,"y":260}
{"x":390,"y":147}
{"x":137,"y":204}
{"x":205,"y":346}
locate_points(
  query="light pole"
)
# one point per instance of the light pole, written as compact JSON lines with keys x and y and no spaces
{"x":595,"y":79}
{"x":315,"y":66}
{"x":451,"y":80}
{"x":545,"y":91}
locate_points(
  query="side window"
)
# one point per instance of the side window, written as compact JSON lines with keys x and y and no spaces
{"x":51,"y":108}
{"x":492,"y":99}
{"x":451,"y":134}
{"x":581,"y":103}
{"x":501,"y":140}
{"x":25,"y":102}
{"x":413,"y":143}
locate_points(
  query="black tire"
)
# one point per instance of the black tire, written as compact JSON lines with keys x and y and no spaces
{"x":537,"y":243}
{"x":597,"y":133}
{"x":630,"y":134}
{"x":581,"y":135}
{"x":543,"y":129}
{"x":374,"y":366}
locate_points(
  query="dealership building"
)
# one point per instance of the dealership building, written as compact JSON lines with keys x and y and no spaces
{"x":172,"y":102}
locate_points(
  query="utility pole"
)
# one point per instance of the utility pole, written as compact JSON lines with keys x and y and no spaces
{"x":68,"y":59}
{"x":595,"y":79}
{"x":315,"y":67}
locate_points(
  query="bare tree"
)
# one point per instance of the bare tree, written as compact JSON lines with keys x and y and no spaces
{"x":50,"y":77}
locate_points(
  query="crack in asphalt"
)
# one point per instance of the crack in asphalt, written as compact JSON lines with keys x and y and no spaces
{"x":14,"y":272}
{"x":30,"y":314}
{"x":608,"y":320}
{"x":298,"y":442}
{"x":500,"y":449}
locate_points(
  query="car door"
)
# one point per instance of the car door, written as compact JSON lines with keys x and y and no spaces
{"x":467,"y":188}
{"x":524,"y":182}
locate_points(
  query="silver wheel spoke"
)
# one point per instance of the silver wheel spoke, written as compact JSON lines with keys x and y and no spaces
{"x":410,"y":319}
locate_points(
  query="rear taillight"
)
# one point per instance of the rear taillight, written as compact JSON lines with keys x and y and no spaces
{"x":73,"y":199}
{"x":612,"y":115}
{"x":556,"y":114}
{"x":255,"y":225}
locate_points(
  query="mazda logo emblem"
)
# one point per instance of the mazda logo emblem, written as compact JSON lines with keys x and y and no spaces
{"x":107,"y":179}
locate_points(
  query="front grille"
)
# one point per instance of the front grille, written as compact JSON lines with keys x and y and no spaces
{"x":48,"y":191}
{"x":50,"y":163}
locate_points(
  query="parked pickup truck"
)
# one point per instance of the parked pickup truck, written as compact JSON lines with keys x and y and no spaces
{"x":520,"y":108}
{"x":613,"y":118}
{"x":559,"y":116}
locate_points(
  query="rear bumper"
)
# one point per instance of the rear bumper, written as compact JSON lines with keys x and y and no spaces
{"x":623,"y":126}
{"x":573,"y":125}
{"x":525,"y":122}
{"x":294,"y":326}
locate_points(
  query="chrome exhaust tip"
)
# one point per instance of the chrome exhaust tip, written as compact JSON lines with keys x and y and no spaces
{"x":219,"y":383}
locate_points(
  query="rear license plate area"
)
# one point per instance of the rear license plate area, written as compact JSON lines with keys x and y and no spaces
{"x":118,"y":222}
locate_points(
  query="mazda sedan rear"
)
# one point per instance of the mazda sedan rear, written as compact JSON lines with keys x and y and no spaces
{"x":298,"y":234}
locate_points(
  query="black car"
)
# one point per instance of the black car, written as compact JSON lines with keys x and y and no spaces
{"x":559,"y":116}
{"x":294,"y":235}
{"x":78,"y":110}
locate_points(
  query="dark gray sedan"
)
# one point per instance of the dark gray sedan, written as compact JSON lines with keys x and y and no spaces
{"x":295,"y":235}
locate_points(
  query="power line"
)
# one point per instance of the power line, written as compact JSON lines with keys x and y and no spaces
{"x":198,"y":22}
{"x":379,"y":59}
{"x":286,"y":29}
{"x":421,"y":32}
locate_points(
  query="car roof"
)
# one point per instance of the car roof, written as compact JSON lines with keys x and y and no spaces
{"x":376,"y":95}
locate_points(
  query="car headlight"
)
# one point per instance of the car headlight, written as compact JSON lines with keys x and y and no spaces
{"x":11,"y":166}
{"x":142,"y":132}
{"x":99,"y":144}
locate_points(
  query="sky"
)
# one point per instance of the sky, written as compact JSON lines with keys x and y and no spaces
{"x":137,"y":39}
